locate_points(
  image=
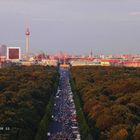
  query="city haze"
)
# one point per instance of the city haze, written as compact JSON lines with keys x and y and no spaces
{"x":72,"y":26}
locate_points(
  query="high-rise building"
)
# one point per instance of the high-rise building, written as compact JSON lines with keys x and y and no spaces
{"x":13,"y":53}
{"x":3,"y":50}
{"x":3,"y":53}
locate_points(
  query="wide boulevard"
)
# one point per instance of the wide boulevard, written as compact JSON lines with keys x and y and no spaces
{"x":64,"y":125}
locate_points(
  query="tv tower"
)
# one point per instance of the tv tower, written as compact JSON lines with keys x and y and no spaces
{"x":27,"y":40}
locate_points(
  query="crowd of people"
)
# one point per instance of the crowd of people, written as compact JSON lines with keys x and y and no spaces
{"x":64,"y":125}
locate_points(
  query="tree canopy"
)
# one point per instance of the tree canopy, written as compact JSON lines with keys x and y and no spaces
{"x":24,"y":94}
{"x":110,"y":97}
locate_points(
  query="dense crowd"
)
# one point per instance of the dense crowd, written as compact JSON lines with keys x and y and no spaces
{"x":64,"y":125}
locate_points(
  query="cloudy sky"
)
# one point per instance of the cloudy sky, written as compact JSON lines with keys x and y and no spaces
{"x":72,"y":26}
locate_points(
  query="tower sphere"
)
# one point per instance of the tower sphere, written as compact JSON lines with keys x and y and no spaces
{"x":27,"y":32}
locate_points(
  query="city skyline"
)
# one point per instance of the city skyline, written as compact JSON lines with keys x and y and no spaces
{"x":105,"y":27}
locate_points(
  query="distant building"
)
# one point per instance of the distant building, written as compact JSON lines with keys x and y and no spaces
{"x":131,"y":64}
{"x":49,"y":62}
{"x":13,"y":53}
{"x":78,"y":63}
{"x":3,"y":53}
{"x":84,"y":63}
{"x":110,"y":62}
{"x":64,"y":66}
{"x":27,"y":63}
{"x":3,"y":50}
{"x":2,"y":58}
{"x":105,"y":63}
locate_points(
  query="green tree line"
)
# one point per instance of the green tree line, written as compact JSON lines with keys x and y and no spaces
{"x":24,"y":94}
{"x":110,"y":100}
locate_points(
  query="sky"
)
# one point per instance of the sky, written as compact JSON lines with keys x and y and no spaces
{"x":72,"y":26}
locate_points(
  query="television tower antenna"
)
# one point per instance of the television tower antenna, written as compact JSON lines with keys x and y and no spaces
{"x":27,"y":41}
